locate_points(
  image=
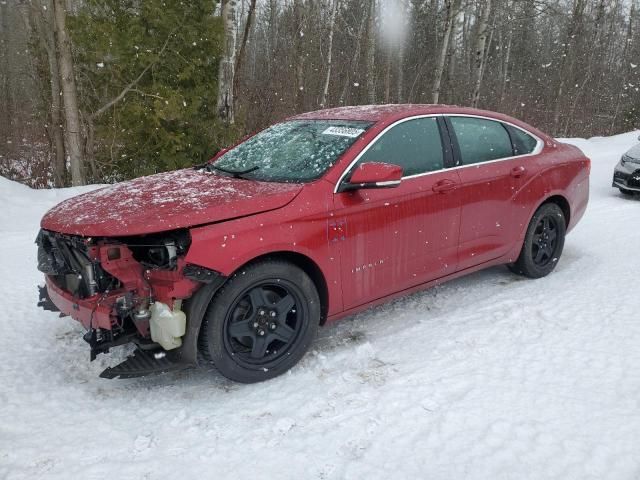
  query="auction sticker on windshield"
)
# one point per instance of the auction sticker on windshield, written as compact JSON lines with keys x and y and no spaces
{"x":343,"y":131}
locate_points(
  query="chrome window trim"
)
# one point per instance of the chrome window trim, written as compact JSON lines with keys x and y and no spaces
{"x":536,"y":151}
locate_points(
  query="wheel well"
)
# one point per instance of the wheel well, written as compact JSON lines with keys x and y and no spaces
{"x":563,"y":204}
{"x":310,"y":268}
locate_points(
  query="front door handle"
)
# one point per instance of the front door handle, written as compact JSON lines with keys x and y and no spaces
{"x":444,"y":186}
{"x":518,"y":171}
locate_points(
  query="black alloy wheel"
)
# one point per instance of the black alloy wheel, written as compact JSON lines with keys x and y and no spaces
{"x":543,"y":242}
{"x":261,"y":322}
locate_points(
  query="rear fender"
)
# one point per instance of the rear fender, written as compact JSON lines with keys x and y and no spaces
{"x":568,"y":181}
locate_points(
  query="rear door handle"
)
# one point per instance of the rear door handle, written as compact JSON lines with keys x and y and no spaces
{"x":444,"y":186}
{"x":519,"y":171}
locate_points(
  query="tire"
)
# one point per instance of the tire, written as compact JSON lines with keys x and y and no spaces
{"x":624,"y":191}
{"x":543,"y":243}
{"x":261,"y":322}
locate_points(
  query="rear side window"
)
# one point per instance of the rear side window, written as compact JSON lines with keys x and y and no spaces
{"x":481,"y":140}
{"x":523,"y":143}
{"x":414,"y":145}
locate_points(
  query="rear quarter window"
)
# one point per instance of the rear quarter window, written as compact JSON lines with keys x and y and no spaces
{"x":523,"y":143}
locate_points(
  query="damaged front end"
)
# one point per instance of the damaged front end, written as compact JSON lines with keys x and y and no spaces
{"x":127,"y":289}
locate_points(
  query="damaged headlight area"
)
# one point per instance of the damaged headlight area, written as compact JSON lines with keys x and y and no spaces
{"x":159,"y":250}
{"x":124,"y":289}
{"x":69,"y":261}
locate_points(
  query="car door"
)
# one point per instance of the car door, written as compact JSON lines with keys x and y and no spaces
{"x":394,"y":238}
{"x":491,"y":173}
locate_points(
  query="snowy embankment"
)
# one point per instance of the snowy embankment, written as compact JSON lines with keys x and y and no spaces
{"x":490,"y":376}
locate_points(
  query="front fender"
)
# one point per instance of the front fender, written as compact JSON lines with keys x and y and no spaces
{"x":301,"y":228}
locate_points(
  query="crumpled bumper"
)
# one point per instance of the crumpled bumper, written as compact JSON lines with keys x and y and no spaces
{"x":92,"y":312}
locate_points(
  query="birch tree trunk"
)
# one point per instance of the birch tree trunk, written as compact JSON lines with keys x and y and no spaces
{"x":226,"y":68}
{"x":327,"y":78}
{"x":371,"y":53}
{"x":449,"y":80}
{"x":452,"y":7}
{"x":69,"y":95}
{"x":243,"y":45}
{"x":479,"y":52}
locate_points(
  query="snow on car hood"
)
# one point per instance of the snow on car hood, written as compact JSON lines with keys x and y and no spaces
{"x":165,"y":201}
{"x":634,"y":152}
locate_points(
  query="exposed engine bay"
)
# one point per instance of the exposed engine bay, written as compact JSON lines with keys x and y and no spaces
{"x":126,"y":289}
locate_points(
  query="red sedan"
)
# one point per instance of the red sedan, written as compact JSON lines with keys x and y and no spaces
{"x":312,"y":219}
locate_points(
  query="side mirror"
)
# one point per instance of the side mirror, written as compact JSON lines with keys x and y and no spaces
{"x":373,"y":175}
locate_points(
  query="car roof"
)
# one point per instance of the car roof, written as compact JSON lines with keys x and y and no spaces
{"x":390,"y":113}
{"x":370,"y":112}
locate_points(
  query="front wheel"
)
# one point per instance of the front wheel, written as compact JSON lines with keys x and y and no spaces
{"x":261,"y":322}
{"x":543,"y":243}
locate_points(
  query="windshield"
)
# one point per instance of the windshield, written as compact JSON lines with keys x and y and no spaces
{"x":295,"y":151}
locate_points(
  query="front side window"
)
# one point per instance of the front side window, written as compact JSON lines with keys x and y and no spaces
{"x":481,"y":140}
{"x":414,"y":145}
{"x":294,"y":151}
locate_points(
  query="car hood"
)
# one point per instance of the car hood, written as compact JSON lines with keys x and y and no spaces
{"x":634,"y":152}
{"x":165,"y":201}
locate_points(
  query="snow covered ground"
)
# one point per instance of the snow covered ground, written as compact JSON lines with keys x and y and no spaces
{"x":487,"y":377}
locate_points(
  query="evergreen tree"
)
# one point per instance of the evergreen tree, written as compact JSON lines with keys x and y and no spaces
{"x":148,"y":84}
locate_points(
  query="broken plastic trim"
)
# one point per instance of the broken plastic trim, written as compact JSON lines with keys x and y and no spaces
{"x":200,"y":274}
{"x":45,"y":301}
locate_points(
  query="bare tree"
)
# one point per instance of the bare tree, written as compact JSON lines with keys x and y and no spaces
{"x":480,"y":52}
{"x":243,"y":45}
{"x":451,"y":7}
{"x":327,"y":78}
{"x":69,"y":95}
{"x":353,"y":61}
{"x":572,"y":67}
{"x":371,"y":53}
{"x":5,"y":100}
{"x":42,"y":14}
{"x":299,"y":19}
{"x":570,"y":40}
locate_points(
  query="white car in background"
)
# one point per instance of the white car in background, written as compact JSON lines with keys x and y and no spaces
{"x":626,"y":175}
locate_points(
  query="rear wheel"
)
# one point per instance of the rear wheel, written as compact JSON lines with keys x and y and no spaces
{"x":543,"y":243}
{"x":261,"y":322}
